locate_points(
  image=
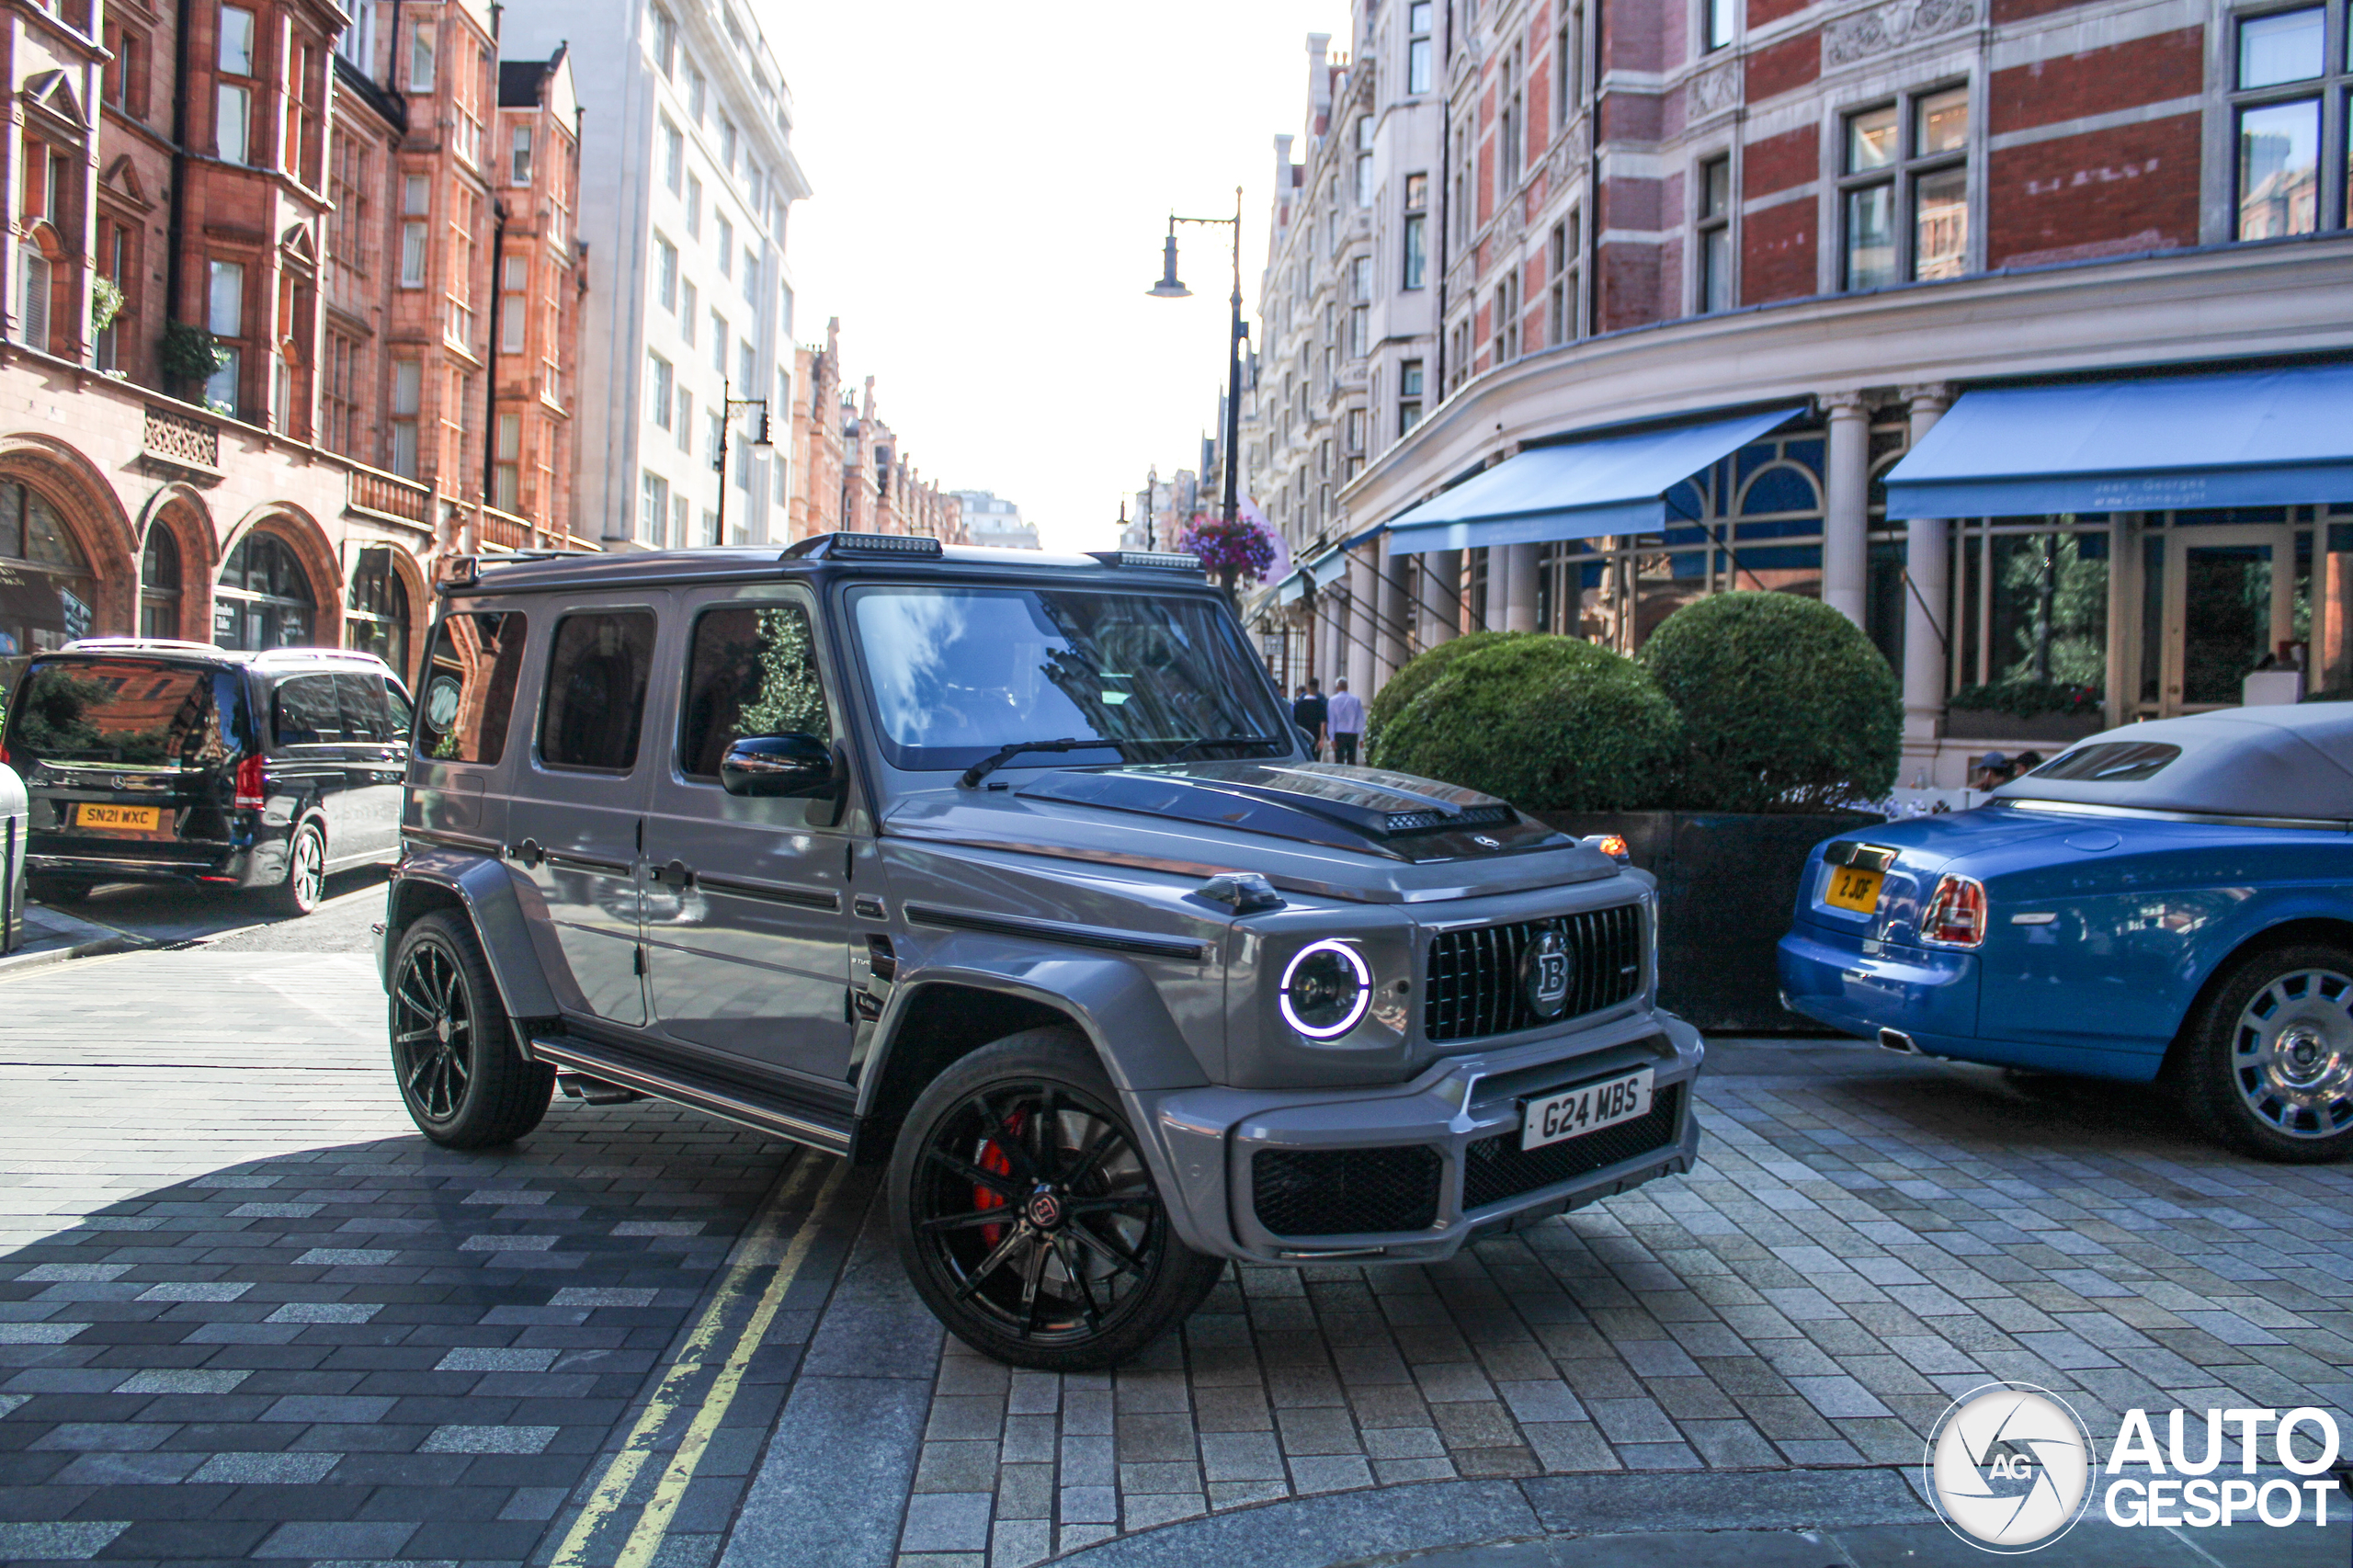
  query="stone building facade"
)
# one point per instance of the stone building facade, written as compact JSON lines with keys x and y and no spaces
{"x":848,"y":469}
{"x":206,"y":430}
{"x":1649,"y":216}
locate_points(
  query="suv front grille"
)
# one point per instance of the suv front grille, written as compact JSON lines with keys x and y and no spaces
{"x":1497,"y":1168}
{"x":1473,"y":988}
{"x":1341,"y":1192}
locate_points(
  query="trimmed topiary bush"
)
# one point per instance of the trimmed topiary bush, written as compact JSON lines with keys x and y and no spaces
{"x":1415,"y":678}
{"x":1549,"y":723}
{"x":1785,"y":705}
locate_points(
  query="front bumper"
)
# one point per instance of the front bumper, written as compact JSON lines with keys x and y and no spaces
{"x":1211,"y":1140}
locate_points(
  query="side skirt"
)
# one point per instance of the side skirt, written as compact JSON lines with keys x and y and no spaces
{"x":746,"y":1108}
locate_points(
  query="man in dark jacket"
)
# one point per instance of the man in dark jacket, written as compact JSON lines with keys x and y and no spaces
{"x":1309,"y":713}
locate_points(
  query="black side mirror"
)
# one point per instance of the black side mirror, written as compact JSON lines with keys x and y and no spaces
{"x":791,"y":766}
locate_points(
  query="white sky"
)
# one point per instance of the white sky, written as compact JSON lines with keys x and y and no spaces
{"x":993,"y":184}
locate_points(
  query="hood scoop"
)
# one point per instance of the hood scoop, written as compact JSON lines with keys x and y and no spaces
{"x":1362,"y":809}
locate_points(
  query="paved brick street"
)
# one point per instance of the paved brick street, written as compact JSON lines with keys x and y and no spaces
{"x":246,"y":1313}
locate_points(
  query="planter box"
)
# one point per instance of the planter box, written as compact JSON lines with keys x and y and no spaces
{"x":1727,"y":883}
{"x":1965,"y":724}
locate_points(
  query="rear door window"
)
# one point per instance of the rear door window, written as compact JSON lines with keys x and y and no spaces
{"x":305,"y":711}
{"x":366,"y":715}
{"x":119,"y":713}
{"x":470,"y":681}
{"x":595,"y":704}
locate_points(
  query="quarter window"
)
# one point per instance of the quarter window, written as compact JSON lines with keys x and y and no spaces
{"x":470,"y":680}
{"x":595,"y":691}
{"x":753,"y":671}
{"x":1904,"y":190}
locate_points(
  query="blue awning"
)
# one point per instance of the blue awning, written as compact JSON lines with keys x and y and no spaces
{"x":2249,"y":438}
{"x":1291,"y":588}
{"x":1605,"y":485}
{"x":1325,"y":569}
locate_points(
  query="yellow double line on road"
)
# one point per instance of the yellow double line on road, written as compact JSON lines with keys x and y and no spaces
{"x":760,"y":1250}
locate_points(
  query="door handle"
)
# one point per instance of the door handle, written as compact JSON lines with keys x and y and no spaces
{"x":677,"y":873}
{"x":529,"y":852}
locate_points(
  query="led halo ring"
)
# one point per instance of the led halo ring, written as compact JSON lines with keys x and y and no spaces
{"x":1357,"y":1010}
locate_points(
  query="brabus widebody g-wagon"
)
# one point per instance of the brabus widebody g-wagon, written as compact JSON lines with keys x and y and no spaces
{"x":1010,"y":871}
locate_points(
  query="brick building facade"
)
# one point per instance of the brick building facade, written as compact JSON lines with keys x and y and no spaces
{"x":1650,"y":212}
{"x":256,"y":374}
{"x":847,"y":470}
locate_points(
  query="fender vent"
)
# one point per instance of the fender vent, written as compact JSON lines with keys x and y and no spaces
{"x":1345,"y":1192}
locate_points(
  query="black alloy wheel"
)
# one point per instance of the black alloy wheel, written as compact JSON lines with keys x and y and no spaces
{"x":1028,"y":1216}
{"x":464,"y":1084}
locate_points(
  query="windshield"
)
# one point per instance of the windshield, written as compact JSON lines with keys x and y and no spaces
{"x":957,"y":673}
{"x":119,"y":713}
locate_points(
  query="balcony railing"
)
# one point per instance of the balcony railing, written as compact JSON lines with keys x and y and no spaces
{"x":175,"y":437}
{"x":373,"y":490}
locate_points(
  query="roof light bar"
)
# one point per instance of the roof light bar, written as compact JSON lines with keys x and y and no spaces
{"x":903,"y":547}
{"x":1149,"y":560}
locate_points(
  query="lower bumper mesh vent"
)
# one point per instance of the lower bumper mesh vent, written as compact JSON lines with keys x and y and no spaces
{"x":1497,"y":1168}
{"x":1338,"y":1192}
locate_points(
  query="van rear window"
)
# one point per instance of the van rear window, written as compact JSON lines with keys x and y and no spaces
{"x":117,"y":713}
{"x":470,"y":680}
{"x":2111,"y":762}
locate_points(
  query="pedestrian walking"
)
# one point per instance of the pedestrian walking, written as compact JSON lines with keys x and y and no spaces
{"x":1345,"y":715}
{"x":1309,"y":713}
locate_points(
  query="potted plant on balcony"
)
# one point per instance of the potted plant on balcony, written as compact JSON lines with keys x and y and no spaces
{"x":189,"y":356}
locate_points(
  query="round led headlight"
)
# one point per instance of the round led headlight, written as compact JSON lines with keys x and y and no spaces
{"x":1327,"y":989}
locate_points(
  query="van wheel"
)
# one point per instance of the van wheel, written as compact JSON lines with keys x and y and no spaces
{"x":1027,"y":1216}
{"x":306,"y":872}
{"x":465,"y":1084}
{"x":2266,"y":1066}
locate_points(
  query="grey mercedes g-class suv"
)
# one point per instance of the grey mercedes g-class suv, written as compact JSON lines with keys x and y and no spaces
{"x":1007,"y":869}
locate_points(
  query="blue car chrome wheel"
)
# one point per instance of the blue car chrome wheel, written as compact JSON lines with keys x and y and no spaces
{"x":2291,"y":1054}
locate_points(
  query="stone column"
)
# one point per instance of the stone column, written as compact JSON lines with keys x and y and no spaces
{"x":1846,"y":510}
{"x":1519,"y":607}
{"x":1498,"y":608}
{"x":1437,"y":587}
{"x":1396,"y":617}
{"x":1364,"y":574}
{"x":1927,"y":607}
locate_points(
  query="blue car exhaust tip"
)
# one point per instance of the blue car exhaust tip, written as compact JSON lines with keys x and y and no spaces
{"x":1896,"y":1040}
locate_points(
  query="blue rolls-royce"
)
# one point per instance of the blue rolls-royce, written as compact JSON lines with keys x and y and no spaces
{"x":2170,"y":900}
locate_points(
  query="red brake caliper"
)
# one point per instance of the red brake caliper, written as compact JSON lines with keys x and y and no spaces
{"x":996,"y":1161}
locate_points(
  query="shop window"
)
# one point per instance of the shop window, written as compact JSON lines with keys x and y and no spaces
{"x":159,"y":584}
{"x":46,"y":587}
{"x":2282,"y":84}
{"x":1904,"y":190}
{"x":377,"y":618}
{"x":264,"y":599}
{"x":2033,"y":609}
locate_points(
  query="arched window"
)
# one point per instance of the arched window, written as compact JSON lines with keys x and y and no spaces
{"x":377,"y":621}
{"x":45,"y":589}
{"x":264,"y":599}
{"x":159,"y":584}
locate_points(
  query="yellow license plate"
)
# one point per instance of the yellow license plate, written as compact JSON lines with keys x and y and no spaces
{"x":138,"y":819}
{"x":1853,"y":889}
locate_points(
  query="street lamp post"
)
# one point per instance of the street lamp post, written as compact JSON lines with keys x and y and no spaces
{"x":1168,"y":288}
{"x":728,"y":404}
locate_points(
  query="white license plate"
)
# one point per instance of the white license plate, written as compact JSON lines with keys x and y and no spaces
{"x":1589,"y":1107}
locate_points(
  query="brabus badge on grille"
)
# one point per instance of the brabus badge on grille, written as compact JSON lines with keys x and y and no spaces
{"x":1544,"y":975}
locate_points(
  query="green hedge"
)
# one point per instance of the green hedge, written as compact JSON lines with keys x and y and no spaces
{"x":1785,"y":705}
{"x":1415,"y":678}
{"x":1550,"y":723}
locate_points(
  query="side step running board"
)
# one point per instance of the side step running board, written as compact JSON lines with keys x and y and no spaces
{"x":728,"y":1103}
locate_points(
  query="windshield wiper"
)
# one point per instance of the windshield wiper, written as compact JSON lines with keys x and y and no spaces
{"x":1190,"y":747}
{"x":1002,"y":755}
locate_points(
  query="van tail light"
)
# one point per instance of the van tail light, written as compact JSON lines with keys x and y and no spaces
{"x":1956,"y":914}
{"x":250,"y":790}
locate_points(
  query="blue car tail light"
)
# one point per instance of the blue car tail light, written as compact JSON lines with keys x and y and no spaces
{"x":1956,"y":914}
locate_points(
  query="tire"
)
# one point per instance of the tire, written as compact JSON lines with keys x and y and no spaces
{"x":2266,"y":1064}
{"x":1086,"y":1269}
{"x":306,"y":873}
{"x":464,"y":1084}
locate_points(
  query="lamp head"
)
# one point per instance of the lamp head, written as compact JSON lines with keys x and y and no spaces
{"x":1168,"y":288}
